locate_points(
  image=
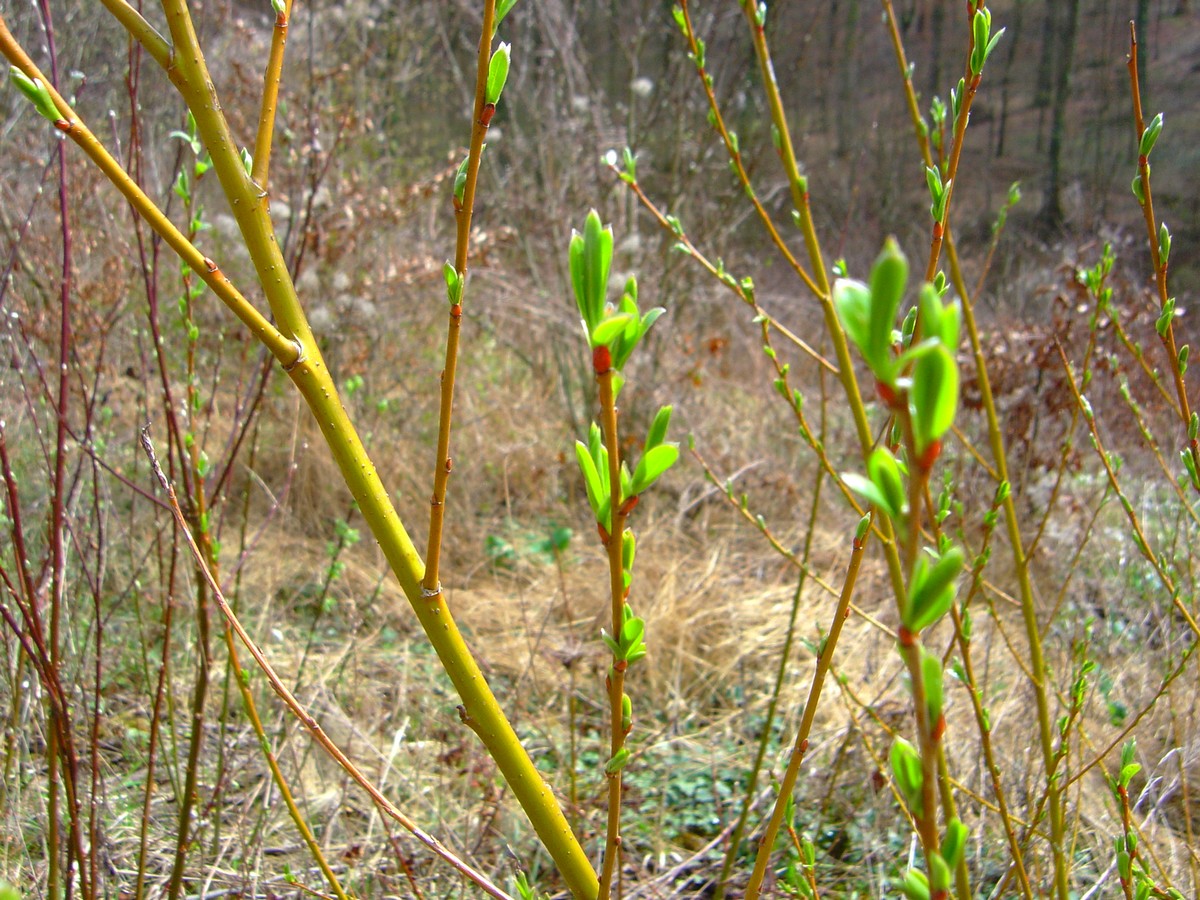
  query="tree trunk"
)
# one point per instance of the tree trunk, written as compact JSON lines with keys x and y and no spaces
{"x":1052,"y":217}
{"x":937,"y":19}
{"x":1141,"y":21}
{"x":1013,"y":39}
{"x":1045,"y":69}
{"x":846,"y":123}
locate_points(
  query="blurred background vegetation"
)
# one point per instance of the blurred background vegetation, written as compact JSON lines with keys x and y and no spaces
{"x":373,"y":121}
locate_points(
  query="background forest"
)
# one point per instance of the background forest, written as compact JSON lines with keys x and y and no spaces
{"x":742,"y":546}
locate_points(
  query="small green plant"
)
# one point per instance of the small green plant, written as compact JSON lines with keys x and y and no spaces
{"x":613,"y":332}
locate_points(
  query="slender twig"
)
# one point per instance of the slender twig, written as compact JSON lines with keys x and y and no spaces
{"x":1166,"y":334}
{"x":735,"y":840}
{"x":141,"y":31}
{"x":787,"y":786}
{"x":1140,"y":540}
{"x":263,"y":140}
{"x":481,"y":117}
{"x":996,"y":439}
{"x":615,"y":682}
{"x":297,"y":709}
{"x":293,"y":343}
{"x":208,"y":271}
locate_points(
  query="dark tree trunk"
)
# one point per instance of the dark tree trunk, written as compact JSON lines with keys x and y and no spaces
{"x":1044,"y":81}
{"x":845,"y":121}
{"x":937,"y":20}
{"x":1052,"y":217}
{"x":1141,"y":21}
{"x":1013,"y":38}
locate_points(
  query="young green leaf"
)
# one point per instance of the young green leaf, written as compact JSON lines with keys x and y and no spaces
{"x":852,"y":299}
{"x":654,"y":463}
{"x":954,"y":843}
{"x":889,"y":276}
{"x":460,"y":181}
{"x":36,"y":93}
{"x":931,"y":674}
{"x":617,"y":763}
{"x":940,"y":320}
{"x":931,"y":591}
{"x":591,"y":478}
{"x":598,"y":250}
{"x":907,"y":773}
{"x":609,"y":329}
{"x":658,"y":428}
{"x":497,"y":74}
{"x":884,"y":472}
{"x":628,"y":550}
{"x":453,"y":283}
{"x":1150,"y":135}
{"x":915,"y":885}
{"x":503,"y":8}
{"x":934,"y":395}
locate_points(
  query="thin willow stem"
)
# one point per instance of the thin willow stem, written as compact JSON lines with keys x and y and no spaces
{"x":296,"y":708}
{"x":785,"y":655}
{"x":242,"y":677}
{"x":157,"y":46}
{"x":306,"y":368}
{"x":207,"y":270}
{"x":1167,"y":334}
{"x":480,"y":118}
{"x":787,"y":786}
{"x":996,"y":440}
{"x":615,"y":682}
{"x":264,"y":139}
{"x":1140,"y":539}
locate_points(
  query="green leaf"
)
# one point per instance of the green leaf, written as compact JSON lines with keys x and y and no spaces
{"x":609,"y":329}
{"x":866,"y":489}
{"x":934,"y":395}
{"x":889,"y":276}
{"x":497,"y":73}
{"x":931,"y":590}
{"x":654,"y":462}
{"x":939,"y":320}
{"x":591,"y":478}
{"x":632,"y":631}
{"x":36,"y":93}
{"x":931,"y":675}
{"x":954,"y":843}
{"x":628,"y":550}
{"x":852,"y":300}
{"x":658,"y":428}
{"x":906,"y":772}
{"x":503,"y":8}
{"x":598,"y":250}
{"x":915,"y":885}
{"x":454,"y":283}
{"x":884,"y":471}
{"x":939,"y":875}
{"x":617,"y":763}
{"x":1150,"y":135}
{"x":460,"y":180}
{"x":612,"y":645}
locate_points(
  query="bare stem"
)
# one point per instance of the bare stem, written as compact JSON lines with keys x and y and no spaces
{"x":616,"y":576}
{"x":480,"y":119}
{"x":1167,"y":335}
{"x":787,"y":786}
{"x":297,"y":709}
{"x":263,"y":140}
